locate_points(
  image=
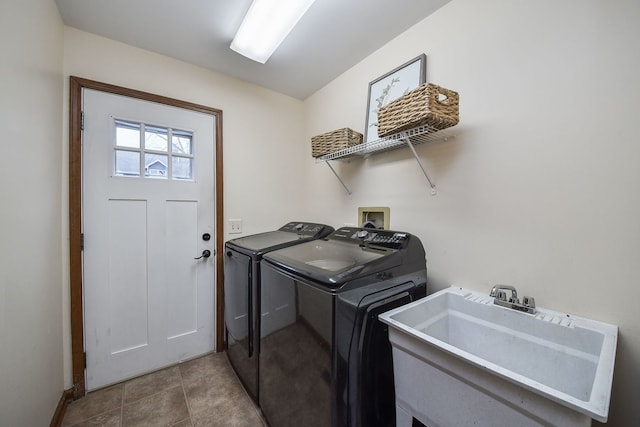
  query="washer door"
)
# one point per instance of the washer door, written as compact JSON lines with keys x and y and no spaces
{"x":333,"y":262}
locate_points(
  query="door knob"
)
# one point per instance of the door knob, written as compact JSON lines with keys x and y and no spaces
{"x":205,"y":254}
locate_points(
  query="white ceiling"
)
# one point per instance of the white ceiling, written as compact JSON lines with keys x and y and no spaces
{"x":333,"y":35}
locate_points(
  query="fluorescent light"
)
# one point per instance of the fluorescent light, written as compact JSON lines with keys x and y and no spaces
{"x":266,"y":25}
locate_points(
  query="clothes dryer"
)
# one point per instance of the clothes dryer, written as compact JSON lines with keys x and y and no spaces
{"x":241,"y":287}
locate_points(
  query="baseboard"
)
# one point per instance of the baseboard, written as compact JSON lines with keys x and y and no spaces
{"x":58,"y":416}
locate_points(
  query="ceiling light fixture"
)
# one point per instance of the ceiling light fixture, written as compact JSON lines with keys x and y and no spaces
{"x":266,"y":25}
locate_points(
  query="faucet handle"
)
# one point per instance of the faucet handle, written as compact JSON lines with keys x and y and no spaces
{"x":499,"y":292}
{"x":495,"y":291}
{"x":528,"y":302}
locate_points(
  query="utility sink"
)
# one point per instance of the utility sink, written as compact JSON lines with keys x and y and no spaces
{"x":519,"y":368}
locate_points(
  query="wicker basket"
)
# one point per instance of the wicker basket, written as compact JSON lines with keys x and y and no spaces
{"x":334,"y":141}
{"x":422,"y":106}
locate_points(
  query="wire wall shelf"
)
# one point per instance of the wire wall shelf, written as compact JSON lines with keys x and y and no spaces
{"x":415,"y":136}
{"x":408,"y":138}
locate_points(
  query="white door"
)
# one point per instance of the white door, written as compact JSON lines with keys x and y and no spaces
{"x":148,"y":201}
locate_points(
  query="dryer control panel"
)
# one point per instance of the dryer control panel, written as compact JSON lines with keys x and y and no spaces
{"x":384,"y":238}
{"x":306,"y":228}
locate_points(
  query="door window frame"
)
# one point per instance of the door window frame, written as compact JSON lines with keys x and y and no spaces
{"x":76,"y":85}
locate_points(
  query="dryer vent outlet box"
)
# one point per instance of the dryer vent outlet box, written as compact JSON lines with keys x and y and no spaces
{"x":374,"y":217}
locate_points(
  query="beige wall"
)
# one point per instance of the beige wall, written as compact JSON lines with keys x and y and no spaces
{"x":539,"y":187}
{"x":31,"y":192}
{"x":261,"y":131}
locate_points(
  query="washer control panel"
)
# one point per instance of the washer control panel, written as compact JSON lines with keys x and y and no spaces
{"x":384,"y":238}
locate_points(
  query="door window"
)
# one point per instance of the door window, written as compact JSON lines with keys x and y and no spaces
{"x":147,"y":151}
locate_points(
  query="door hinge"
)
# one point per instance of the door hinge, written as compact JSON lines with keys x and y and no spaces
{"x":82,"y":242}
{"x":84,"y":359}
{"x":81,"y":120}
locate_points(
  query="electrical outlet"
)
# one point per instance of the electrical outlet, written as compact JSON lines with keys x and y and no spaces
{"x":235,"y":226}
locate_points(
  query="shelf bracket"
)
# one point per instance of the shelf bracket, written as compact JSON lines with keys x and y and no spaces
{"x":424,"y":170}
{"x":338,"y":176}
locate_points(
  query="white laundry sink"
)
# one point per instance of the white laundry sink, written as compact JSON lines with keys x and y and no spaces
{"x":526,"y":363}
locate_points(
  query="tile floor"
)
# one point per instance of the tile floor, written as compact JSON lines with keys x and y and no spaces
{"x":201,"y":392}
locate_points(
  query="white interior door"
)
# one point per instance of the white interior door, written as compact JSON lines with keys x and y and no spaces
{"x":148,"y":200}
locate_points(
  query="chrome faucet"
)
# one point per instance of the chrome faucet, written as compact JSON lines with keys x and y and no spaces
{"x":499,"y":295}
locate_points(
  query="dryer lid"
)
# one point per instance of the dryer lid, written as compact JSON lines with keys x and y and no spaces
{"x":262,"y":241}
{"x":287,"y":235}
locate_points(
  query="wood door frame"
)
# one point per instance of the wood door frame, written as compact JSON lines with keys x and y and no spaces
{"x":76,"y":84}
